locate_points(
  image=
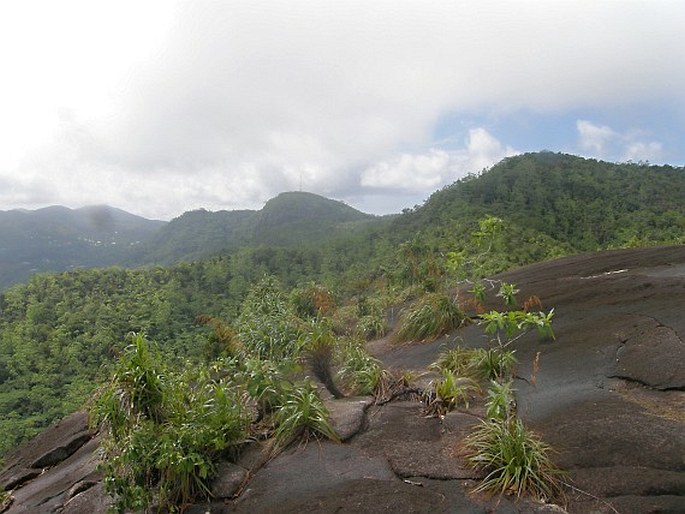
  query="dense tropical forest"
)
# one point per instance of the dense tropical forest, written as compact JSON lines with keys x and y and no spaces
{"x":183,"y":283}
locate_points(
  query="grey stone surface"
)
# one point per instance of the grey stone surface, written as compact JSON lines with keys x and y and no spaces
{"x":228,"y":481}
{"x":50,"y":447}
{"x":347,"y":415}
{"x":608,"y":395}
{"x":89,"y":501}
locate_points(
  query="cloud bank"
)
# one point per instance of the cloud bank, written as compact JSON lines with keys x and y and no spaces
{"x":181,"y":105}
{"x":601,"y":141}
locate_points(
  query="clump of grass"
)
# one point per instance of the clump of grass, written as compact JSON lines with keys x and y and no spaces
{"x":515,"y":460}
{"x":478,"y":363}
{"x":457,"y":360}
{"x":493,"y":363}
{"x":447,"y":393}
{"x":301,"y":416}
{"x":345,"y":320}
{"x":372,"y":326}
{"x":429,"y":317}
{"x":319,"y":350}
{"x":359,"y":372}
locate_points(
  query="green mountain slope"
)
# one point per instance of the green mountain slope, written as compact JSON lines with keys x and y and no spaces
{"x":552,"y":205}
{"x":583,"y":203}
{"x":289,"y":219}
{"x":298,"y":217}
{"x":58,"y":238}
{"x":58,"y":330}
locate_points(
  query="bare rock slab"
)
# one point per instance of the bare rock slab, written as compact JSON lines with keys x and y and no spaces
{"x":653,"y":355}
{"x":52,"y":446}
{"x":347,"y":415}
{"x":417,"y":446}
{"x":228,"y":481}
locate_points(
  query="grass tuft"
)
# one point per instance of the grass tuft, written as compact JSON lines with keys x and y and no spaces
{"x":301,"y":416}
{"x":359,"y":372}
{"x":446,"y":394}
{"x":515,"y":460}
{"x":429,"y":317}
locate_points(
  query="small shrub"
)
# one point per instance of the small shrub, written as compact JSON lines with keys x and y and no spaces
{"x":222,"y":342}
{"x":500,"y":403}
{"x":264,"y":382}
{"x":139,"y":378}
{"x":431,"y":316}
{"x":345,"y":319}
{"x":268,"y":326}
{"x":162,"y":432}
{"x":514,"y":459}
{"x":513,"y":324}
{"x":312,"y":300}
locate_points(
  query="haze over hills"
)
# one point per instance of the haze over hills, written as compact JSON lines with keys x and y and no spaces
{"x":58,"y":330}
{"x":289,"y":219}
{"x":57,"y":239}
{"x":563,"y":203}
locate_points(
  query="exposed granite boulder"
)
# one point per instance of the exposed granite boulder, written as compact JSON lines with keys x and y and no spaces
{"x":230,"y":477}
{"x":608,"y":395}
{"x":47,"y":449}
{"x":347,"y":415}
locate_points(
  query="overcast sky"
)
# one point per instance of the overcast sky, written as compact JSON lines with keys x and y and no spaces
{"x":158,"y":107}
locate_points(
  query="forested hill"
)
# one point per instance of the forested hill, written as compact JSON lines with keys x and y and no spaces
{"x":289,"y":219}
{"x":58,"y":238}
{"x":575,"y":203}
{"x":56,"y":331}
{"x":553,"y":203}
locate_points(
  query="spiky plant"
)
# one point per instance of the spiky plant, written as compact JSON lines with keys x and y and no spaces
{"x":359,"y":372}
{"x":493,"y":363}
{"x":515,"y":460}
{"x":447,"y":393}
{"x":429,"y":317}
{"x":458,"y":360}
{"x":319,"y":350}
{"x":302,"y":415}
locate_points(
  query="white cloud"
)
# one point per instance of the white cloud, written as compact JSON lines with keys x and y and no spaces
{"x":595,"y":138}
{"x":435,"y":168}
{"x":643,"y":151}
{"x":606,"y":143}
{"x":175,"y":105}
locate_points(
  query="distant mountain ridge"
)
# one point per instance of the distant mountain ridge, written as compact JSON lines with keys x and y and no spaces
{"x":289,"y":219}
{"x":564,"y":202}
{"x":58,"y":238}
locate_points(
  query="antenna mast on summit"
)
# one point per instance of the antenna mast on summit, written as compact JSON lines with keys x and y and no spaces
{"x":300,"y":181}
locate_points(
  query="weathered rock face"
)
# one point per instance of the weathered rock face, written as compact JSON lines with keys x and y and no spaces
{"x":56,"y":471}
{"x":608,"y":394}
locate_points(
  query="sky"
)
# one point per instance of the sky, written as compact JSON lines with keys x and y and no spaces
{"x":159,"y":107}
